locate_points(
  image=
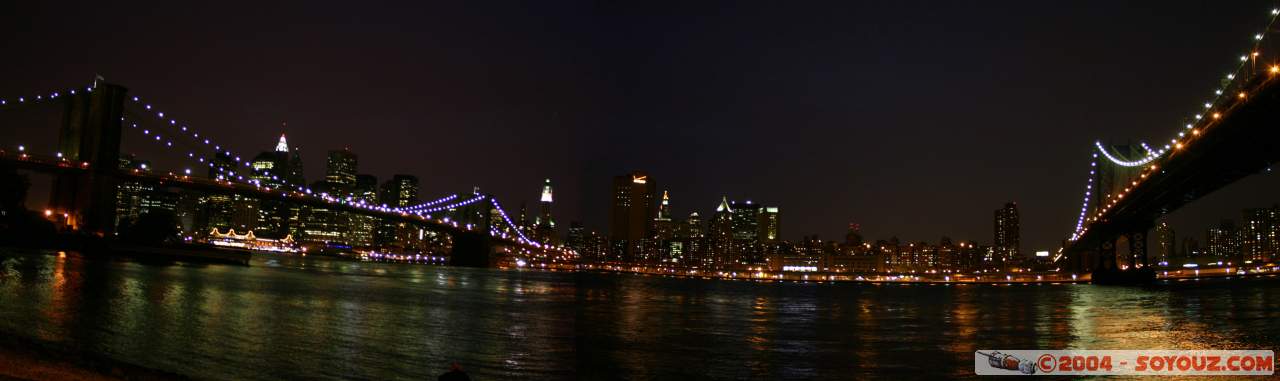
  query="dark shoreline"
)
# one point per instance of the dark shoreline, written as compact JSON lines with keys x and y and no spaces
{"x":43,"y":359}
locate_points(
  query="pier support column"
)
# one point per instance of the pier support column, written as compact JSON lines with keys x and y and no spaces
{"x":1106,"y":255}
{"x":1138,"y":247}
{"x":90,"y":133}
{"x":471,"y":249}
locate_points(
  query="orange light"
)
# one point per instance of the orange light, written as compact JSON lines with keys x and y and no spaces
{"x":1195,"y":132}
{"x":1217,"y":115}
{"x":1178,"y":146}
{"x":48,"y":212}
{"x":1241,"y":95}
{"x":1275,"y":69}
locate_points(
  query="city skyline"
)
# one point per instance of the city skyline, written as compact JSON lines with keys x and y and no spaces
{"x":608,"y":190}
{"x":553,"y":130}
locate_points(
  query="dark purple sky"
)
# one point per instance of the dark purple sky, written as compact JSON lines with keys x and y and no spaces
{"x":914,"y":119}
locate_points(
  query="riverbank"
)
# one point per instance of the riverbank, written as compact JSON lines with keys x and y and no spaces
{"x":25,"y":359}
{"x":943,"y":279}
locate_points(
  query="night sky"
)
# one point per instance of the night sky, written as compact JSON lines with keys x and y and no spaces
{"x":914,"y":119}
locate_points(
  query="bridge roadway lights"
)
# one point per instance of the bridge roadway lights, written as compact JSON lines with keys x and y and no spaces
{"x":471,"y":249}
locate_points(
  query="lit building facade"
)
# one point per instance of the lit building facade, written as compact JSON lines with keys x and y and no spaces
{"x":1166,"y":244}
{"x":1260,"y":235}
{"x":1223,"y":241}
{"x":632,"y":209}
{"x":340,"y":171}
{"x":544,"y":229}
{"x":1007,"y":243}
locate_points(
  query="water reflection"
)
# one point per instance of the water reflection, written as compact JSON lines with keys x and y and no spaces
{"x":305,"y":318}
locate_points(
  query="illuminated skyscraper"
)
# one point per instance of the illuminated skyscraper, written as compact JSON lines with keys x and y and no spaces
{"x":668,"y":250}
{"x":400,"y":191}
{"x":1261,"y":234}
{"x":1166,"y":243}
{"x":663,"y":229}
{"x":273,"y":169}
{"x":341,"y":171}
{"x":693,"y":234}
{"x":631,"y":212}
{"x":363,"y":227}
{"x":544,"y":226}
{"x":720,"y":235}
{"x":1224,"y":241}
{"x":770,"y":224}
{"x":1007,"y":243}
{"x":130,"y":194}
{"x":746,"y":220}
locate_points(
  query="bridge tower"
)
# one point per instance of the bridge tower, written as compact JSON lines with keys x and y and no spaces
{"x":90,"y":133}
{"x":471,"y":249}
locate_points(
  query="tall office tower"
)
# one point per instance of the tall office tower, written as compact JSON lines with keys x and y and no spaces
{"x":631,"y":212}
{"x":272,"y":169}
{"x":268,"y":168}
{"x":746,"y":232}
{"x":770,"y":224}
{"x":577,"y":237}
{"x":693,"y":234}
{"x":131,"y":194}
{"x":522,"y":221}
{"x":340,"y":171}
{"x":288,"y":163}
{"x":1223,"y":241}
{"x":720,"y":235}
{"x":544,"y":226}
{"x":1260,"y":234}
{"x":363,"y":228}
{"x":400,"y":191}
{"x":397,"y":236}
{"x":667,"y":249}
{"x":1007,"y":244}
{"x":746,"y":220}
{"x":321,"y":224}
{"x":1166,"y":244}
{"x":663,"y":227}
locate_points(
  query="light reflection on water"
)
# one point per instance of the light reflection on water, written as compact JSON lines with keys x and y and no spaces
{"x":288,"y":317}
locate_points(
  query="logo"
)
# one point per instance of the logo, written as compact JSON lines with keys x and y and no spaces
{"x":1124,"y":362}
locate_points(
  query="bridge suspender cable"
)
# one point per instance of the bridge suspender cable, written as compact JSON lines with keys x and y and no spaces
{"x":1232,"y":88}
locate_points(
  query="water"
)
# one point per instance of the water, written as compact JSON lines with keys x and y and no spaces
{"x":287,"y":317}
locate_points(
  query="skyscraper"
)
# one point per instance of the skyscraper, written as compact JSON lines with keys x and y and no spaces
{"x":274,"y":169}
{"x":746,"y":220}
{"x":720,"y":235}
{"x":1166,"y":243}
{"x":577,"y":237}
{"x":544,"y":226}
{"x":770,"y":224}
{"x":668,"y":250}
{"x":1007,"y":245}
{"x":1260,"y":234}
{"x":663,"y":228}
{"x":400,"y":191}
{"x":631,"y":213}
{"x":1224,"y":241}
{"x":324,"y":225}
{"x":693,"y":234}
{"x":341,"y":171}
{"x":363,"y":227}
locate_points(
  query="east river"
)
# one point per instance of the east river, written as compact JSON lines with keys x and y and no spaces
{"x":290,"y":317}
